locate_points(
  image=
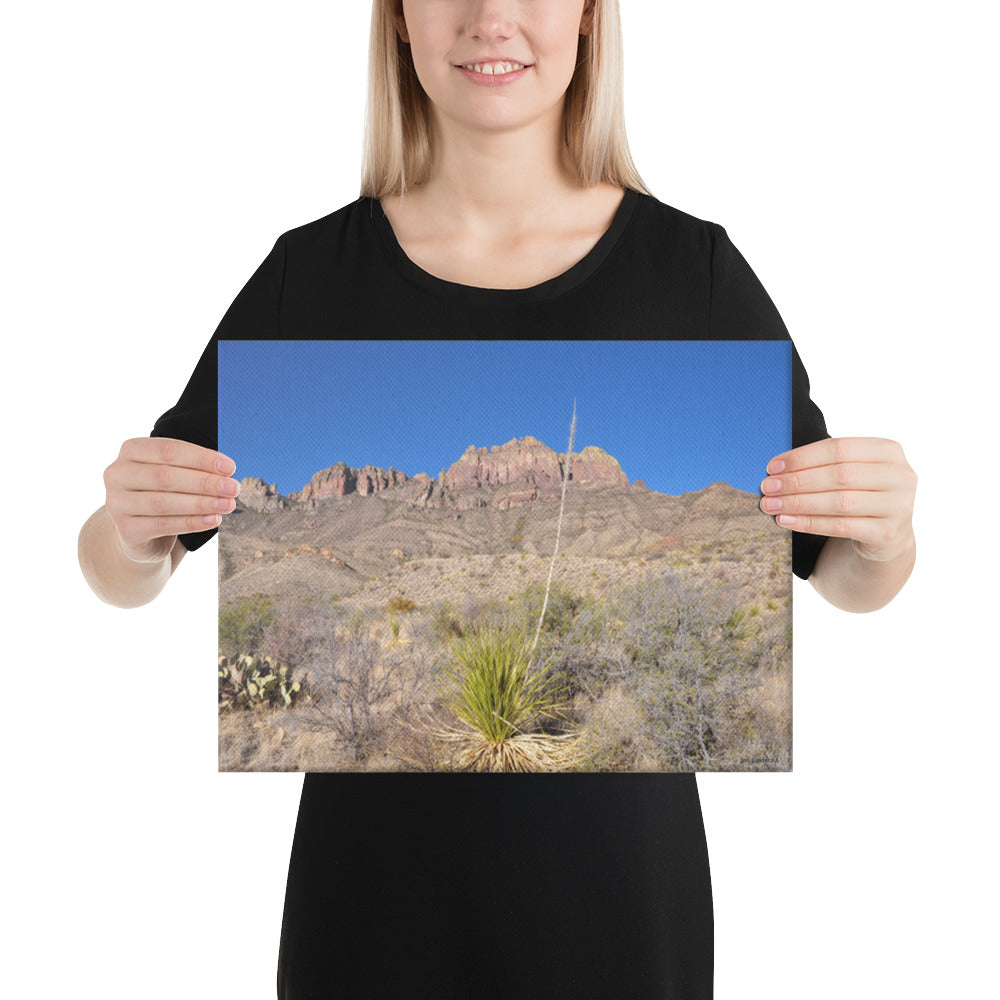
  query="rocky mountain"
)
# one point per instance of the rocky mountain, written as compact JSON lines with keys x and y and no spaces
{"x":531,"y":467}
{"x":361,"y":533}
{"x":526,"y":460}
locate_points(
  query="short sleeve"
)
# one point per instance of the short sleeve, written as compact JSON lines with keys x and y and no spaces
{"x":255,"y":314}
{"x":741,"y":309}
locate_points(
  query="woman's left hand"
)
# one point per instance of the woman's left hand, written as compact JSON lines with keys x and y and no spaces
{"x":851,"y":487}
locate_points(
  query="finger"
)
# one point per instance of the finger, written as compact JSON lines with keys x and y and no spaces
{"x":145,"y":477}
{"x":866,"y":530}
{"x":172,"y":451}
{"x":832,"y":451}
{"x":136,"y":531}
{"x":864,"y":476}
{"x":840,"y":503}
{"x":154,"y":503}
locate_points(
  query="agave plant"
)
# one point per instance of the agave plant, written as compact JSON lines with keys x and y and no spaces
{"x":491,"y":688}
{"x":495,"y":691}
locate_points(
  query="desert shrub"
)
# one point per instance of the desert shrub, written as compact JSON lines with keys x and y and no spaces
{"x":492,"y":613}
{"x":611,"y":743}
{"x":563,"y":605}
{"x":588,"y":653}
{"x":400,"y":604}
{"x":228,"y":563}
{"x":692,"y":654}
{"x":351,"y":681}
{"x":242,"y":625}
{"x":296,"y":628}
{"x":351,"y":690}
{"x":446,"y":621}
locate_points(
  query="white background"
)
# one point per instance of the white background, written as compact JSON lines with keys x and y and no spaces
{"x":155,"y":153}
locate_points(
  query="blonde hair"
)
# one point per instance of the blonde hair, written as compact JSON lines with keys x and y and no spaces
{"x":397,"y":139}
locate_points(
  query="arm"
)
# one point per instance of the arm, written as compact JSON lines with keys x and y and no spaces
{"x":115,"y":577}
{"x":853,"y":583}
{"x":859,"y":492}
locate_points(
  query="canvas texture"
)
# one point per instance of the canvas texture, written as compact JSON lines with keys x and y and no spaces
{"x":504,"y":556}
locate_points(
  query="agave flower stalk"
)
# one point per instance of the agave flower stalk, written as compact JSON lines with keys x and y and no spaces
{"x":562,"y":507}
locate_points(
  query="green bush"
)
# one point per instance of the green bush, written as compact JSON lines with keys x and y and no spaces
{"x":563,"y":607}
{"x":242,"y":625}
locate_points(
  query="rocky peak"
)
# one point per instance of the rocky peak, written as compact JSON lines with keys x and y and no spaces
{"x":527,"y":460}
{"x":526,"y":463}
{"x":257,"y":495}
{"x":594,"y":465}
{"x":340,"y":480}
{"x":518,"y":461}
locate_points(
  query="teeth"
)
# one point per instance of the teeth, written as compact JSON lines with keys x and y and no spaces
{"x":495,"y":69}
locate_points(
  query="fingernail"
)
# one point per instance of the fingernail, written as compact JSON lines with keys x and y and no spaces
{"x":786,"y":519}
{"x":224,"y":466}
{"x":775,"y":466}
{"x":771,"y":504}
{"x":771,"y":485}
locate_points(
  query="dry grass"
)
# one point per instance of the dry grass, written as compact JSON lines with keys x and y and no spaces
{"x":470,"y":750}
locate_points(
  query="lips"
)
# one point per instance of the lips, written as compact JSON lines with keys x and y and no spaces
{"x":485,"y":78}
{"x":492,"y":59}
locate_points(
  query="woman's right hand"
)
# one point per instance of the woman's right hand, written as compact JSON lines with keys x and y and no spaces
{"x":159,"y":488}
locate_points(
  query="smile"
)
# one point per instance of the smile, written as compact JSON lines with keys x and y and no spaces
{"x":496,"y":74}
{"x":494,"y":69}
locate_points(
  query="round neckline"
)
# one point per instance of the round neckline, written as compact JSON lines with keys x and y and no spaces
{"x":569,"y":279}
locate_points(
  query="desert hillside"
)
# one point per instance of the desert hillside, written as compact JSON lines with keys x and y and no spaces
{"x":421,"y":561}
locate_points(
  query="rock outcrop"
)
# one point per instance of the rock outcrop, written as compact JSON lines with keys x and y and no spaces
{"x":257,"y":495}
{"x":524,"y":460}
{"x":340,"y":480}
{"x":594,"y":465}
{"x":530,"y":462}
{"x":532,"y":469}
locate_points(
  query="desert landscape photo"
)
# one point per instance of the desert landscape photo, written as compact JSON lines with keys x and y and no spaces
{"x":537,"y":604}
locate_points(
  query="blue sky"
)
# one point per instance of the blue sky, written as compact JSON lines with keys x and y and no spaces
{"x":677,"y":414}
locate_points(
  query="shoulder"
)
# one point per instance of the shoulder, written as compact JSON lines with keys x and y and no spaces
{"x":338,"y":243}
{"x":332,"y":227}
{"x":684,"y":243}
{"x":666,"y":229}
{"x":674,"y":220}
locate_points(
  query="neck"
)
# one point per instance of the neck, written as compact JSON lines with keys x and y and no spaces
{"x":497,"y":182}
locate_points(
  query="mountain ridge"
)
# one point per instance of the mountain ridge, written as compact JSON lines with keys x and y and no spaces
{"x":518,"y":472}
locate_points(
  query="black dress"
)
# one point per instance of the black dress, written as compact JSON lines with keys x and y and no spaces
{"x":487,"y":886}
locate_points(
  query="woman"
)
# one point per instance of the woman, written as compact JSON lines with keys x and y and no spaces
{"x":503,"y":204}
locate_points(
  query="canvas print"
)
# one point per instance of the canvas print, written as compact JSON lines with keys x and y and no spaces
{"x":504,"y":556}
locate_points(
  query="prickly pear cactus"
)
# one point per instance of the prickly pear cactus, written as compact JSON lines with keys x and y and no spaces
{"x":255,"y":682}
